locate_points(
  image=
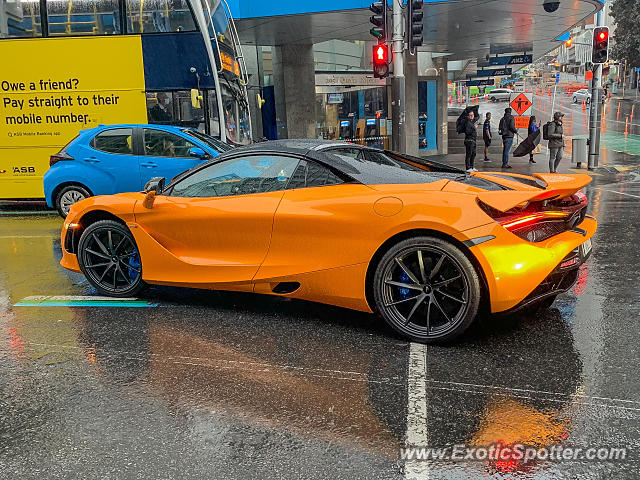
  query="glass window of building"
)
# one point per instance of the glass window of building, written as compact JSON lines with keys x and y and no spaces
{"x":22,"y":19}
{"x":152,"y":16}
{"x":83,"y":17}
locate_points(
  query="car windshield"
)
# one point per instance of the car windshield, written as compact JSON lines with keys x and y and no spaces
{"x":214,"y":143}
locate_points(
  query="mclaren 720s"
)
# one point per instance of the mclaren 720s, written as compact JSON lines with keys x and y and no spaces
{"x":425,"y":245}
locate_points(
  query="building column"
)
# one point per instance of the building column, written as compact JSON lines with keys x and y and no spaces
{"x":442,"y":106}
{"x":252,"y":54}
{"x":411,"y":103}
{"x":295,"y":92}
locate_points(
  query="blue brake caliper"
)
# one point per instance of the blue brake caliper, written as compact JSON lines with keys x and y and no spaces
{"x":134,"y":262}
{"x":404,"y":292}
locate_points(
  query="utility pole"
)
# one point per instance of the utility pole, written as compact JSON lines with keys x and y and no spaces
{"x":595,"y":110}
{"x":398,"y":139}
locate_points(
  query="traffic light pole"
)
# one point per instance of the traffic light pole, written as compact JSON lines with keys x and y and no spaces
{"x":595,"y":111}
{"x":398,"y":131}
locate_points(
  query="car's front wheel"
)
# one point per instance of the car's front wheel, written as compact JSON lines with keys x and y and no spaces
{"x":68,"y":196}
{"x":574,"y":100}
{"x":427,"y":289}
{"x":109,"y":258}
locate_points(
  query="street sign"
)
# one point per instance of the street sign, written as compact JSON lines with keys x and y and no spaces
{"x":521,"y":102}
{"x":511,"y":60}
{"x":557,"y":77}
{"x":522,"y":122}
{"x":518,"y":87}
{"x":493,"y":72}
{"x":480,"y":83}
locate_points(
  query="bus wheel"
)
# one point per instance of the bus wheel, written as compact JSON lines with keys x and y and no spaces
{"x":68,"y":196}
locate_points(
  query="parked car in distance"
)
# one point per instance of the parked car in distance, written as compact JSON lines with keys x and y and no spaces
{"x":570,"y":89}
{"x":581,"y":95}
{"x":498,"y":94}
{"x":112,"y":159}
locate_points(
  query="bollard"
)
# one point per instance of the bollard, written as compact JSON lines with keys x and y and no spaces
{"x":584,"y":105}
{"x":626,"y":127}
{"x":632,"y":108}
{"x":618,"y":114}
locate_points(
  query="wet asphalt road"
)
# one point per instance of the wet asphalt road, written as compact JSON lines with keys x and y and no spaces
{"x":226,"y":385}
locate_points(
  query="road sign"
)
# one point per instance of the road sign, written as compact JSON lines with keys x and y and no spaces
{"x":557,"y":77}
{"x":494,"y":72}
{"x":518,"y":87}
{"x":480,"y":83}
{"x":511,"y":60}
{"x":521,"y":102}
{"x":522,"y":122}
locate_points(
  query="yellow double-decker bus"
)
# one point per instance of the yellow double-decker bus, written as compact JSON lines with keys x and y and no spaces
{"x":68,"y":65}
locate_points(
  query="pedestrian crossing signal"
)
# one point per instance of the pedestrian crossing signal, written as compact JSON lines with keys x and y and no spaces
{"x":380,"y":60}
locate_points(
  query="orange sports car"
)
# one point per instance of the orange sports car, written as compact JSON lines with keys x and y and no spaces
{"x":425,"y":245}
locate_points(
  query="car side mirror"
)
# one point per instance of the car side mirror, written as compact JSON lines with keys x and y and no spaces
{"x":198,"y":153}
{"x":156,"y":184}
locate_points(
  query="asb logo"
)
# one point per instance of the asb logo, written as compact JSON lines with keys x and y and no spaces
{"x":521,"y":104}
{"x":24,"y":169}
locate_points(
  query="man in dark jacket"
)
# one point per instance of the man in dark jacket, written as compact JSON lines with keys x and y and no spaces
{"x":486,"y":135}
{"x":556,"y":142}
{"x":507,"y":129}
{"x":470,"y":136}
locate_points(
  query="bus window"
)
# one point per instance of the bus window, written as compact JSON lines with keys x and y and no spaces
{"x":151,"y":16}
{"x":24,"y":20}
{"x":174,"y":108}
{"x":83,"y":17}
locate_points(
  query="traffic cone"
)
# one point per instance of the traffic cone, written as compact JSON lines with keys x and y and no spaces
{"x":549,"y":92}
{"x":584,"y":106}
{"x":449,"y":99}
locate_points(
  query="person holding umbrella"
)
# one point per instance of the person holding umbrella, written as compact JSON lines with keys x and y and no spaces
{"x":533,"y":129}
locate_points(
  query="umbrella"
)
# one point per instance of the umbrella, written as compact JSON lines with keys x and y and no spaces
{"x":527,"y":145}
{"x":465,"y":113}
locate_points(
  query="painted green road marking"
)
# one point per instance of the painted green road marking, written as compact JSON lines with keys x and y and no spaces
{"x":81,"y":301}
{"x":619,"y":142}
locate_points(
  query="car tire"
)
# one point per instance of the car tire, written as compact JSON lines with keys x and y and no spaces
{"x":574,"y":100}
{"x":69,"y":195}
{"x":426,"y":289}
{"x":588,"y":100}
{"x":493,"y":99}
{"x":109,"y":258}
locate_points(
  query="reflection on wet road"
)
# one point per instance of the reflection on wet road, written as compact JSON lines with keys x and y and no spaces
{"x":223,"y":385}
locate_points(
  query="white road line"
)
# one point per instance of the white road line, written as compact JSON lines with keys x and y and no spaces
{"x":417,"y":434}
{"x":623,"y":193}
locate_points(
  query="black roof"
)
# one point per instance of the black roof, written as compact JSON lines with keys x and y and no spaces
{"x":364,"y":171}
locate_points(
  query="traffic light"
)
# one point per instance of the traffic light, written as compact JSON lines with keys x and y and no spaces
{"x":569,"y":42}
{"x":600,"y":50}
{"x":414,"y":23}
{"x":379,"y":20}
{"x":380,"y":60}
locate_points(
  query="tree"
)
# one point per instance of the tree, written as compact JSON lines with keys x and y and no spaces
{"x":626,"y":38}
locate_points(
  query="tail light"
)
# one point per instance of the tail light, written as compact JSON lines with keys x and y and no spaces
{"x":538,"y":221}
{"x":58,"y":157}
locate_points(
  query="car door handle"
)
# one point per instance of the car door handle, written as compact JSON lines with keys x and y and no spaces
{"x":91,"y":160}
{"x":149,"y":165}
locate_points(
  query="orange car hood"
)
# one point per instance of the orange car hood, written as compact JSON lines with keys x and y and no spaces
{"x":557,"y":186}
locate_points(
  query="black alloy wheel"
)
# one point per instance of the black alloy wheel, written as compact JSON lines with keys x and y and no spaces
{"x":427,"y":289}
{"x":109,"y":258}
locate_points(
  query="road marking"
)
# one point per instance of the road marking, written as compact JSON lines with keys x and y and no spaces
{"x":417,"y":410}
{"x":623,"y":193}
{"x":4,"y":237}
{"x":81,"y":301}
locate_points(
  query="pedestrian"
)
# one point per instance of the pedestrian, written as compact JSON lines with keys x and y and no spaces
{"x":486,"y":135}
{"x":506,"y":129}
{"x":470,"y":136}
{"x":533,"y":128}
{"x":556,"y":142}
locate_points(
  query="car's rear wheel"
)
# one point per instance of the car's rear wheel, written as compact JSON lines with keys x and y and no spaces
{"x":109,"y":258}
{"x":69,"y":195}
{"x":426,"y":289}
{"x":588,"y":100}
{"x":574,"y":100}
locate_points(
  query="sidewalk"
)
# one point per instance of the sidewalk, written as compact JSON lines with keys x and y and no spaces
{"x":520,"y":165}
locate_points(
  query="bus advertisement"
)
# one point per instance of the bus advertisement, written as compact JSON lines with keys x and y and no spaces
{"x":69,"y":69}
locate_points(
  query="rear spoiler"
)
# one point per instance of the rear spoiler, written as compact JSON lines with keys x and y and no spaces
{"x":558,"y":186}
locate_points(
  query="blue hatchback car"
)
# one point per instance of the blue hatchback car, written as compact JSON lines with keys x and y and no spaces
{"x":122,"y":158}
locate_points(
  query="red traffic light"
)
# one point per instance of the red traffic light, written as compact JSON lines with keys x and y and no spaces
{"x":380,"y":54}
{"x":603,"y":35}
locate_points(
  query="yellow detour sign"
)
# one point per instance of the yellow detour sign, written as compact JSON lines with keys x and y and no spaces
{"x":52,"y":88}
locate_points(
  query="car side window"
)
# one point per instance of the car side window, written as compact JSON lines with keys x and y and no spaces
{"x":115,"y":140}
{"x":312,"y":174}
{"x":347,"y":152}
{"x":158,"y":143}
{"x":238,"y":176}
